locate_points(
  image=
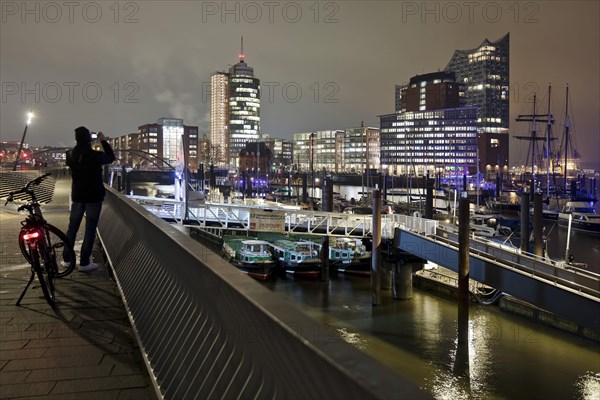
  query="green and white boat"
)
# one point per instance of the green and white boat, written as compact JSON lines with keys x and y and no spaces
{"x":350,"y":256}
{"x":298,"y":258}
{"x":251,"y":256}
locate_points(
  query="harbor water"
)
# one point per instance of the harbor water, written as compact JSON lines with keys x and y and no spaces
{"x":508,"y":357}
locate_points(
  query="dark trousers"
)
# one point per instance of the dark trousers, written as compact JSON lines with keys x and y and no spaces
{"x":92,"y":216}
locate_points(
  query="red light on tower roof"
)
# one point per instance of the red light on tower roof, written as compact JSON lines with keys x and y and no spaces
{"x":242,"y":50}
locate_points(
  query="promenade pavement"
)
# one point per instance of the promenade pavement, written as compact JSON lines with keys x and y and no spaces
{"x":84,"y":347}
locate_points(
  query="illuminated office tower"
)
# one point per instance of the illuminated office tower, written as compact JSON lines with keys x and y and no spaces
{"x":219,"y":119}
{"x":442,"y":141}
{"x":234,"y":112}
{"x":244,"y":108}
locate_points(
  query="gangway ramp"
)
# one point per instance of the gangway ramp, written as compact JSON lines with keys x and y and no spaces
{"x":569,"y":294}
{"x":280,"y":219}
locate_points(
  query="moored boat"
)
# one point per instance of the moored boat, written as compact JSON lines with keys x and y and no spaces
{"x":581,"y":215}
{"x":350,"y":256}
{"x":252,"y":257}
{"x":298,"y":258}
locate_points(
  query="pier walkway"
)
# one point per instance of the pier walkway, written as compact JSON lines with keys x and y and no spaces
{"x":84,"y":348}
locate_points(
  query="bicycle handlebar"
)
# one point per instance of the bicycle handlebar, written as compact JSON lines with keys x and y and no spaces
{"x":25,"y":189}
{"x":37,"y":180}
{"x":27,"y":207}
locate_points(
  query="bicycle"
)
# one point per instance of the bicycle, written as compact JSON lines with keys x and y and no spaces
{"x":42,"y":244}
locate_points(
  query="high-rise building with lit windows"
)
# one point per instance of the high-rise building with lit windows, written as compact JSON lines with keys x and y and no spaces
{"x":484,"y":73}
{"x":219,"y":119}
{"x":244,"y":109}
{"x":235,"y":112}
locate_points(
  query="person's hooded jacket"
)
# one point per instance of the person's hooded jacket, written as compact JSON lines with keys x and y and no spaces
{"x":86,"y":171}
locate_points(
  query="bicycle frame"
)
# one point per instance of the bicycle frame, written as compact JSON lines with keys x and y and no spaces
{"x":40,"y":242}
{"x":40,"y":259}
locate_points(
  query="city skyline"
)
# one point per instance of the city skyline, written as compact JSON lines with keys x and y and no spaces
{"x":329,"y":66}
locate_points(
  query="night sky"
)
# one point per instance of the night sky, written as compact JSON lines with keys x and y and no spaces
{"x":323,"y":65}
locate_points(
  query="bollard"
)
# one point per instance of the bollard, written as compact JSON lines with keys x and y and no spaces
{"x":327,"y":205}
{"x":305,"y":188}
{"x":376,"y":250}
{"x":386,"y":275}
{"x":538,"y":247}
{"x":402,"y":281}
{"x":525,"y":221}
{"x":428,"y":198}
{"x":463,"y":271}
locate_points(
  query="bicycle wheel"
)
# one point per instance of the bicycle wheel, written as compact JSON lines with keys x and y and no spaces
{"x":59,"y":248}
{"x":44,"y":276}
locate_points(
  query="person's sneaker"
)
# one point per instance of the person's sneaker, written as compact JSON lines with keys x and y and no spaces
{"x":89,"y":267}
{"x":65,"y":264}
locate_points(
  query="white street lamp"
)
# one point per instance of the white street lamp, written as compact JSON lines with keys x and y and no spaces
{"x":29,"y":118}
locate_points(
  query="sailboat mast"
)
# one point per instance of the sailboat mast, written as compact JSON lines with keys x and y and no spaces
{"x":533,"y":144}
{"x":547,"y":155}
{"x":566,"y":137}
{"x":534,"y":118}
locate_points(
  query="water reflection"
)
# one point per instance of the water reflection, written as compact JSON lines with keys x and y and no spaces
{"x":505,"y":356}
{"x":588,"y":386}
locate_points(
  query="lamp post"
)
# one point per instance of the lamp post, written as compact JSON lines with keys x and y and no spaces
{"x":312,"y":161}
{"x":29,"y":117}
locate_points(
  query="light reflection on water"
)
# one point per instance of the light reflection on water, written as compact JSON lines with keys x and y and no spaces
{"x":506,"y":356}
{"x":588,"y":386}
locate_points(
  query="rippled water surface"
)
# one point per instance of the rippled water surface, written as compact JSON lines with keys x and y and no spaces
{"x":506,"y":357}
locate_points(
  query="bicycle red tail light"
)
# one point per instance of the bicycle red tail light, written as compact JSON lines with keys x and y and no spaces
{"x":31,"y":235}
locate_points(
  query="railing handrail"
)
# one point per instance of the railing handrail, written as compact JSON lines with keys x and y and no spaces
{"x":330,"y":223}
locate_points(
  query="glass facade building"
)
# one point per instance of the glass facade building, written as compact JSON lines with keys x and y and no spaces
{"x":484,"y":74}
{"x":316,"y":151}
{"x":172,"y":140}
{"x":167,"y":140}
{"x":244,"y":109}
{"x":235,"y":113}
{"x":360,"y":150}
{"x":435,"y":141}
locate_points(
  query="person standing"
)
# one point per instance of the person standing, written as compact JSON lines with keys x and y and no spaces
{"x":87,"y":190}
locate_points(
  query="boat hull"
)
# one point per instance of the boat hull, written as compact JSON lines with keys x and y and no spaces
{"x":260,"y":271}
{"x":357,"y":267}
{"x":582,"y":226}
{"x":307,"y":270}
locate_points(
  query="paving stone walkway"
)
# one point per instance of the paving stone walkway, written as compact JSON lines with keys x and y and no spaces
{"x":84,"y":347}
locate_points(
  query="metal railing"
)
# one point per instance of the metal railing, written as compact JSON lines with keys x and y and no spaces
{"x":548,"y":270}
{"x":207,"y":331}
{"x":238,"y":217}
